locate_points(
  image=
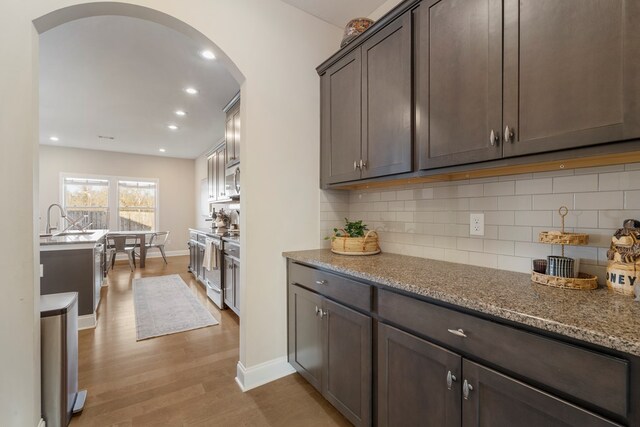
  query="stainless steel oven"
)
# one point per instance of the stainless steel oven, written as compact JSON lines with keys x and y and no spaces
{"x":232,"y":182}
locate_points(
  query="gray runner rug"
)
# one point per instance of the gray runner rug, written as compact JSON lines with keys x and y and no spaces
{"x":165,"y":305}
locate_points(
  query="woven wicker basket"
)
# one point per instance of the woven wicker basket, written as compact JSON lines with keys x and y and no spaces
{"x":582,"y":282}
{"x":622,"y":276}
{"x":367,"y":245}
{"x":561,"y":238}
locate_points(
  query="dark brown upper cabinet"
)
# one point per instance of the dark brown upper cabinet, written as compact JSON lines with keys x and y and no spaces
{"x":571,"y":73}
{"x":366,"y":111}
{"x":458,"y":81}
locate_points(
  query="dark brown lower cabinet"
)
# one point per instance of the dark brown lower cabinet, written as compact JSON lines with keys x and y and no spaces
{"x":330,"y":345}
{"x":418,"y":382}
{"x":493,"y":399}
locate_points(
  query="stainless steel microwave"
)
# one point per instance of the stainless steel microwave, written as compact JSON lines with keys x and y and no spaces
{"x":232,"y":182}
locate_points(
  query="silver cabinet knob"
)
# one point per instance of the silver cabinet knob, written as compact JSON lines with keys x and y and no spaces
{"x":494,"y":137}
{"x":466,"y":389}
{"x":321,"y":282}
{"x":509,"y":134}
{"x":317,"y":310}
{"x":363,"y":165}
{"x":450,"y":380}
{"x":457,"y":332}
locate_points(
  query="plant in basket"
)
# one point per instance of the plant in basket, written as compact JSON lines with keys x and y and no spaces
{"x":354,"y":239}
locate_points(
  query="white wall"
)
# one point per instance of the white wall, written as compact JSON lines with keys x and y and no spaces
{"x":274,"y":52}
{"x":176,"y":199}
{"x":384,"y":8}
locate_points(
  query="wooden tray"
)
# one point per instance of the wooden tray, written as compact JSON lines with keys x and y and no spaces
{"x":560,"y":238}
{"x":355,"y":253}
{"x":582,"y":282}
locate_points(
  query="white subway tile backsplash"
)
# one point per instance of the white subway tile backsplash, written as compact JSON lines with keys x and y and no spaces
{"x":537,"y":218}
{"x":500,"y":247}
{"x":600,"y":200}
{"x":499,"y":218}
{"x":510,"y":232}
{"x":619,"y":181}
{"x":632,"y":199}
{"x":466,"y":244}
{"x":513,"y":263}
{"x":432,"y":220}
{"x":575,"y":184}
{"x":534,"y":186}
{"x":483,"y":203}
{"x":514,"y":203}
{"x":552,"y":201}
{"x":506,"y":188}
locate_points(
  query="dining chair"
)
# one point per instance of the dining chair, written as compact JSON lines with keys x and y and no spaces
{"x":121,"y":243}
{"x":158,"y":240}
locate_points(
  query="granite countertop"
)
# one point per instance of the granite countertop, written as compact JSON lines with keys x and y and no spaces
{"x":599,"y":317}
{"x":73,"y":239}
{"x":224,"y":236}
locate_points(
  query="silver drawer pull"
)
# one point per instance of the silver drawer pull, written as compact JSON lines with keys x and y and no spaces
{"x":317,"y":310}
{"x":457,"y":332}
{"x":466,"y":389}
{"x":321,"y":282}
{"x":450,"y":380}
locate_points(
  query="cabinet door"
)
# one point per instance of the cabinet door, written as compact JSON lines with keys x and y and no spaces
{"x":418,"y":382}
{"x":458,"y":84}
{"x":220,"y":176}
{"x":237,"y":138}
{"x":229,"y":138}
{"x":236,"y":286}
{"x":305,"y":334}
{"x":346,"y":379}
{"x":211,"y":176}
{"x":228,"y":281}
{"x":340,"y":120}
{"x":496,"y":400}
{"x":386,"y":100}
{"x":571,"y":73}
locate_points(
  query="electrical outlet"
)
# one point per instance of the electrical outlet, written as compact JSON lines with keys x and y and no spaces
{"x":476,"y":224}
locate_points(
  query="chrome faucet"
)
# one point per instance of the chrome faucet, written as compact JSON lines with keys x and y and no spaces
{"x":63,"y":214}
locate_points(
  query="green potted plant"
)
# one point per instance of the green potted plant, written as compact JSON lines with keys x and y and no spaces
{"x":354,"y":239}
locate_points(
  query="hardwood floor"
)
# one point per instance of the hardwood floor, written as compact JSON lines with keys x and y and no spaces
{"x":183,"y":379}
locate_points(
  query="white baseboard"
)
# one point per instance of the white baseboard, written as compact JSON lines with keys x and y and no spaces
{"x":255,"y":376}
{"x":42,"y":423}
{"x":88,"y":321}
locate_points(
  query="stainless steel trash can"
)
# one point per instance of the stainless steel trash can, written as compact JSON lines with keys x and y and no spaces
{"x":59,"y":358}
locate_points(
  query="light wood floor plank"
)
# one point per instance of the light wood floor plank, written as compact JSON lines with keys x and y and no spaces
{"x":184,"y":379}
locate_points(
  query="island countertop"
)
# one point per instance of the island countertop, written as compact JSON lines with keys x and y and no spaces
{"x":599,"y":316}
{"x":75,"y":241}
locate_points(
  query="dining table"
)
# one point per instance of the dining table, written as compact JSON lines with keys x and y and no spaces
{"x":142,"y":235}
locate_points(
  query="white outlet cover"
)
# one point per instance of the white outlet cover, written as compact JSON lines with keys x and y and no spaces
{"x":476,"y":224}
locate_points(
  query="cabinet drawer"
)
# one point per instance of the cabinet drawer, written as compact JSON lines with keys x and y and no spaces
{"x":589,"y":376}
{"x":339,"y":288}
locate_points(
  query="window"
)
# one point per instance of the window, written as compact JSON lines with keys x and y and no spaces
{"x":109,"y":202}
{"x":87,"y":201}
{"x":137,"y":205}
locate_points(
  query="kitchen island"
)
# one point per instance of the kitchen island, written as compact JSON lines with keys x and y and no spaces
{"x":75,"y":262}
{"x":459,"y":333}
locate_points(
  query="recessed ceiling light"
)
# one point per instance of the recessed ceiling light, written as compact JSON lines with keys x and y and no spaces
{"x":181,"y":113}
{"x":172,"y":127}
{"x":207,"y":54}
{"x":162,"y":150}
{"x":191,"y":90}
{"x":54,"y":138}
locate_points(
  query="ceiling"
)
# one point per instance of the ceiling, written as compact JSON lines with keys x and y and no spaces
{"x":337,"y":12}
{"x":124,"y":78}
